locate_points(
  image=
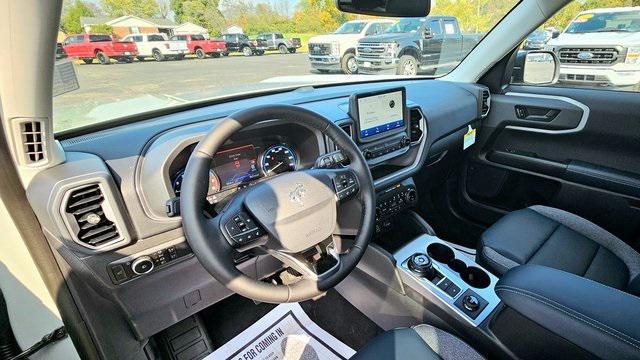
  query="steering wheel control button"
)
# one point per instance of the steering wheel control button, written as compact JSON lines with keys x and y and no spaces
{"x":421,"y":264}
{"x":345,"y":185}
{"x":471,"y":303}
{"x":331,"y":160}
{"x":243,"y":229}
{"x":142,"y":265}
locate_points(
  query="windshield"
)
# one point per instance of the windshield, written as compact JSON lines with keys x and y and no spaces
{"x":406,"y":25}
{"x":97,"y":83}
{"x":539,"y":35}
{"x":351,"y":28}
{"x":626,"y":21}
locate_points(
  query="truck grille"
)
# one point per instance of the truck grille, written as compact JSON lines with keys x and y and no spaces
{"x":319,"y":49}
{"x":370,"y":50}
{"x":590,"y":55}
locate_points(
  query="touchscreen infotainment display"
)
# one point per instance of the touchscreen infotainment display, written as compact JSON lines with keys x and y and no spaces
{"x":236,"y":165}
{"x":380,"y":113}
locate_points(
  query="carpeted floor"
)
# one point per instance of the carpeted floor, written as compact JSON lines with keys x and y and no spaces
{"x":332,"y":312}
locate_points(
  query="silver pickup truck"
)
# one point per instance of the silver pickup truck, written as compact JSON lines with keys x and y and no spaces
{"x":277,"y":41}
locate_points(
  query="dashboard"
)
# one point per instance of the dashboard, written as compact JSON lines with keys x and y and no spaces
{"x":145,"y":269}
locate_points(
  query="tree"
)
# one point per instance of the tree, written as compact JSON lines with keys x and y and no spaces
{"x":141,"y":8}
{"x":102,"y":29}
{"x":205,"y":13}
{"x":70,"y":21}
{"x":165,"y":8}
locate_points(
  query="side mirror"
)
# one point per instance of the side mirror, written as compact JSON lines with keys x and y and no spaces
{"x":555,"y":34}
{"x":427,"y":34}
{"x":540,"y":67}
{"x":389,"y":8}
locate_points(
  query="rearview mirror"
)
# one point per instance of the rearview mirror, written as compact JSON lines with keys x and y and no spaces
{"x":389,"y":8}
{"x":540,"y":68}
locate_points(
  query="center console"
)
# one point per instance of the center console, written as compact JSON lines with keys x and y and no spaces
{"x":448,"y":278}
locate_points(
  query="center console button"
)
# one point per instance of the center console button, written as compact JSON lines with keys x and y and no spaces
{"x":422,"y":265}
{"x":453,"y":290}
{"x":471,"y":303}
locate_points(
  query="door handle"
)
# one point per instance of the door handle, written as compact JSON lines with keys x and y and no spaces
{"x":531,"y":113}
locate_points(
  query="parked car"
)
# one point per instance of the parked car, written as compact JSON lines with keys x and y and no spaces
{"x":158,"y":46}
{"x":600,"y":47}
{"x":277,"y":41}
{"x":99,"y":46}
{"x":537,"y":39}
{"x":60,"y":54}
{"x":241,"y":43}
{"x":415,"y":45}
{"x":337,"y":51}
{"x":202,"y":47}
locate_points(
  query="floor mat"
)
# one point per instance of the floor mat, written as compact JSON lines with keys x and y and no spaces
{"x":332,"y":312}
{"x":284,"y":333}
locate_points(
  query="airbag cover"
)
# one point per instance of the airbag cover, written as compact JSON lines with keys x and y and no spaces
{"x":297,"y":209}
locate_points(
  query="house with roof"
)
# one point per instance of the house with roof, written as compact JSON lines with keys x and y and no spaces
{"x":129,"y":24}
{"x":190,"y":28}
{"x":233,"y":29}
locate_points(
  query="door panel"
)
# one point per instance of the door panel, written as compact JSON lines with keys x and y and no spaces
{"x":574,"y":149}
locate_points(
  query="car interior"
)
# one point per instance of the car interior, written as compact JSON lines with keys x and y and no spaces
{"x":463,"y":217}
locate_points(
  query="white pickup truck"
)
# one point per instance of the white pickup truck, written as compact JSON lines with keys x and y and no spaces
{"x":601,"y":47}
{"x":158,"y":46}
{"x":337,"y":51}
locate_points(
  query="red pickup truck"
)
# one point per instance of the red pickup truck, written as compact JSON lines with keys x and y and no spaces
{"x":202,"y":47}
{"x":99,"y":46}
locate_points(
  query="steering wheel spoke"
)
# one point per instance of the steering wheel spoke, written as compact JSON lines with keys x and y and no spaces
{"x":344,"y":182}
{"x":312,"y":264}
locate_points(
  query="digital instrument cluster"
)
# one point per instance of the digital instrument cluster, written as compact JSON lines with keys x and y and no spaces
{"x":240,"y":166}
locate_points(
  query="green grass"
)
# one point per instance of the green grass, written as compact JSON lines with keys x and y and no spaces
{"x":304,"y":39}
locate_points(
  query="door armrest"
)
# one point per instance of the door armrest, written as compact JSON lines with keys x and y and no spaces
{"x":597,"y":318}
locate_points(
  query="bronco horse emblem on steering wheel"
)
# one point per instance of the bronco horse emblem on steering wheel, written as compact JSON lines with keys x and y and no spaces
{"x":297,"y":194}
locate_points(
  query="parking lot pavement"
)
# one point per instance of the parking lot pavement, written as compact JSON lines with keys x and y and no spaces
{"x":111,"y":91}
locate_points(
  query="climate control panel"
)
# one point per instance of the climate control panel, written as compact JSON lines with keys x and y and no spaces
{"x":392,"y":202}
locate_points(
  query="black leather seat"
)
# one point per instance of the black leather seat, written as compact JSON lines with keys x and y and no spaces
{"x":558,"y":239}
{"x":422,"y":342}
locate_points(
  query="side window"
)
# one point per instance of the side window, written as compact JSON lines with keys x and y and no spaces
{"x":450,"y":27}
{"x":373,"y":29}
{"x":436,"y":28}
{"x":384,"y":26}
{"x":155,"y":38}
{"x":595,"y":43}
{"x":279,"y":36}
{"x":193,"y":37}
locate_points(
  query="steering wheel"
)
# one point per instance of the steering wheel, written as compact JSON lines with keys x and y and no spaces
{"x":286,"y":215}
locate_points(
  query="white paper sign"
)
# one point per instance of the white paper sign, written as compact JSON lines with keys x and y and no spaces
{"x":285,"y":333}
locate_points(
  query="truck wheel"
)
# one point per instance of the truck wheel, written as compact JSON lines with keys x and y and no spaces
{"x":283,"y":49}
{"x":88,"y":61}
{"x":408,"y":65}
{"x":200,"y":54}
{"x":349,"y":64}
{"x":140,"y":58}
{"x":103,"y":58}
{"x":157,"y":55}
{"x":225,"y":54}
{"x":246,"y":51}
{"x":216,"y":55}
{"x":128,"y":59}
{"x":292,"y":51}
{"x":260,"y":52}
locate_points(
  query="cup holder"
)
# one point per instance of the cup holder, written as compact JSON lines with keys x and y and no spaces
{"x":440,"y":253}
{"x":457,"y":265}
{"x":476,"y":277}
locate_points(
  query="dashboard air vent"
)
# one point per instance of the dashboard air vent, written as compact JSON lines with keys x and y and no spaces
{"x":92,"y":228}
{"x":416,"y":130}
{"x":346,"y":128}
{"x":32,"y":138}
{"x":486,"y":102}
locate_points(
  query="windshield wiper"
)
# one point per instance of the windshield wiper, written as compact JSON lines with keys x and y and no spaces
{"x":612,"y":30}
